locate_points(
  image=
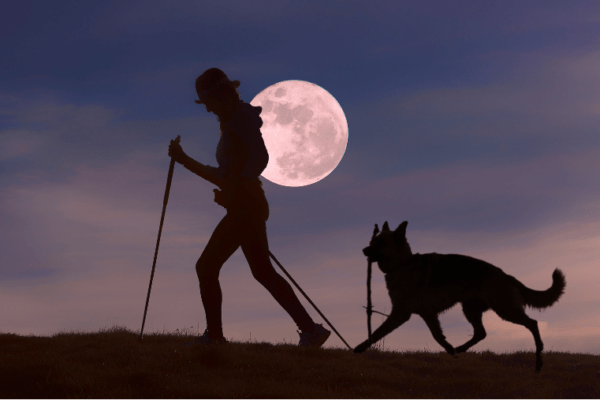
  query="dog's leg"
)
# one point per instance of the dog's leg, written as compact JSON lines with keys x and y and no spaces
{"x":433,"y":323}
{"x":473,"y":310}
{"x":518,"y":316}
{"x":392,"y":322}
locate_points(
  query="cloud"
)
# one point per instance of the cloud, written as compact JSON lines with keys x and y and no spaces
{"x":65,"y":119}
{"x":68,"y":225}
{"x":16,"y":143}
{"x":546,"y":89}
{"x":539,"y":104}
{"x":158,"y":16}
{"x":54,"y":136}
{"x":545,"y":108}
{"x":541,"y":191}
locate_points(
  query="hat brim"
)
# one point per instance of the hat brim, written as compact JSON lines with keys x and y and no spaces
{"x":202,"y":97}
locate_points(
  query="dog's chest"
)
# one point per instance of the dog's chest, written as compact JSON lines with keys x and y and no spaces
{"x":407,"y":277}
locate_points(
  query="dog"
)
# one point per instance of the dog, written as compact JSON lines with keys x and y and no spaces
{"x":429,"y":284}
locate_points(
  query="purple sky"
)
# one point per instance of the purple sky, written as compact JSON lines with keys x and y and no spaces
{"x":475,"y":122}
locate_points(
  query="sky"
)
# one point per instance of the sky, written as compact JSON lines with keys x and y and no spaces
{"x":476,"y":122}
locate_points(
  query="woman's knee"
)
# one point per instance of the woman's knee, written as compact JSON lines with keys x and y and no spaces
{"x":206,"y":270}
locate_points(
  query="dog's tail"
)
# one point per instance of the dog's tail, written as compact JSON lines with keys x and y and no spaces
{"x":540,"y":299}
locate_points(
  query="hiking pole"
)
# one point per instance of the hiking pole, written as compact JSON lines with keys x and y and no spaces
{"x":309,"y":300}
{"x":369,"y":305}
{"x":377,"y":312}
{"x":162,"y":219}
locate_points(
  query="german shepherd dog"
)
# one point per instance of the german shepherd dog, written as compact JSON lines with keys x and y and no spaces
{"x":429,"y":284}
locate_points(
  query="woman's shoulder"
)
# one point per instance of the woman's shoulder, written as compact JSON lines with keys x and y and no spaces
{"x":246,"y":116}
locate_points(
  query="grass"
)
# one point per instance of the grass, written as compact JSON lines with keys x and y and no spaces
{"x":113,"y":363}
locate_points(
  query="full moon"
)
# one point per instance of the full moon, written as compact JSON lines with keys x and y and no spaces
{"x":305,"y":132}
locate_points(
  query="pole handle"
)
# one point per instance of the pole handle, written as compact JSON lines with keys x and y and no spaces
{"x":170,"y":177}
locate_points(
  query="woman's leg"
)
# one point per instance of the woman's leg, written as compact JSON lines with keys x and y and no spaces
{"x":255,"y":247}
{"x":222,"y":244}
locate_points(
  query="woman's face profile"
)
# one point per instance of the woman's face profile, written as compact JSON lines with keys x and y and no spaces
{"x":213,"y":105}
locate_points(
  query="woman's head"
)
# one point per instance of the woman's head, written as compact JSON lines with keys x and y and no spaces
{"x":216,"y":90}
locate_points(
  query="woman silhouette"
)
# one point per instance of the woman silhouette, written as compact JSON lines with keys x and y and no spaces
{"x":242,"y":156}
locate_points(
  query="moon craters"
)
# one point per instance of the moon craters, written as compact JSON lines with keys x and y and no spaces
{"x":305,"y":132}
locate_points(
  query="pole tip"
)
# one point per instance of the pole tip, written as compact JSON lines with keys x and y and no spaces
{"x":376,"y":230}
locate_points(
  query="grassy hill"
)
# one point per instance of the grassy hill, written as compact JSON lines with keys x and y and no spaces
{"x":114,"y":363}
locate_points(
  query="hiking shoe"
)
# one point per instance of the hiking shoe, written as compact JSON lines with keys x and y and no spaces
{"x":204,"y":339}
{"x":316,"y":338}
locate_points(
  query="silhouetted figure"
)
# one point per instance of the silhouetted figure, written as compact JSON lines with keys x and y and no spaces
{"x":242,"y":156}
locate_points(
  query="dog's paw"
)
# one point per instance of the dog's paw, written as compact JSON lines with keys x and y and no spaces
{"x":361,"y":347}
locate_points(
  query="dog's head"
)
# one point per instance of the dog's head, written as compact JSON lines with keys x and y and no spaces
{"x":388,"y":248}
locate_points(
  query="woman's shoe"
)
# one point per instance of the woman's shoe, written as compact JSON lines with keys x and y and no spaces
{"x":316,"y":338}
{"x":204,"y":339}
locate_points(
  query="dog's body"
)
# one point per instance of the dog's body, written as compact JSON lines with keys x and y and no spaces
{"x":429,"y":284}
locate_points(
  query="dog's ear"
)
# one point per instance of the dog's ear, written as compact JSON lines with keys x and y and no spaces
{"x":401,"y":230}
{"x":385,"y":227}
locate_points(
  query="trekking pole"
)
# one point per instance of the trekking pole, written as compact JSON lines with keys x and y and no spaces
{"x":162,"y":219}
{"x":369,"y":305}
{"x":377,"y":312}
{"x":309,"y":300}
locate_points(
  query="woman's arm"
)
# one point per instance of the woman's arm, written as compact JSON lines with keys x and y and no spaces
{"x":201,"y":170}
{"x":204,"y":171}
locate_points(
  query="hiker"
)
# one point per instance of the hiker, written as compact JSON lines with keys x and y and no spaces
{"x":242,"y":156}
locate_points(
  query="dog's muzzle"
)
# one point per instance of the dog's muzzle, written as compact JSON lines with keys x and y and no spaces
{"x":368,"y":251}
